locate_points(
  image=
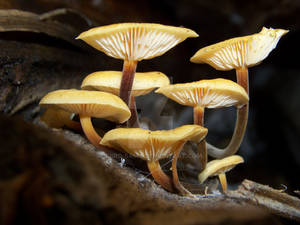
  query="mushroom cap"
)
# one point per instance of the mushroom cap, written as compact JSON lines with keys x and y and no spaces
{"x":89,"y":103}
{"x":213,"y":93}
{"x":109,"y":81}
{"x":56,"y":117}
{"x":240,"y":52}
{"x":152,"y":145}
{"x":135,"y":41}
{"x":217,"y":166}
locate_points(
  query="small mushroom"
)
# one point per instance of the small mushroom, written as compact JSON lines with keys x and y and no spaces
{"x":203,"y":94}
{"x":133,"y":42}
{"x":88,"y":104}
{"x":219,"y":167}
{"x":109,"y":81}
{"x":58,"y":118}
{"x":153,"y":146}
{"x":239,"y":54}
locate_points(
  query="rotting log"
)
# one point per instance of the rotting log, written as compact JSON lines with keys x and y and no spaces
{"x":63,"y":179}
{"x":275,"y":201}
{"x":47,"y":180}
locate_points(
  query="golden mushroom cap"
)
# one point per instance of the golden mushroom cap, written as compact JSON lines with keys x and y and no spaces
{"x":240,"y":52}
{"x":213,"y":93}
{"x":217,"y":166}
{"x":135,"y":41}
{"x":89,"y":103}
{"x":152,"y":145}
{"x":109,"y":81}
{"x":56,"y":117}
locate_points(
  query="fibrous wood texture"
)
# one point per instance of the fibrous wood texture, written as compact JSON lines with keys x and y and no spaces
{"x":39,"y":54}
{"x":45,"y":180}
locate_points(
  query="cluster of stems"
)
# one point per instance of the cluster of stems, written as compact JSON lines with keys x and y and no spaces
{"x":241,"y":122}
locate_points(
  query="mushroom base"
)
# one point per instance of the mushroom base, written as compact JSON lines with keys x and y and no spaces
{"x":159,"y":176}
{"x":176,"y":181}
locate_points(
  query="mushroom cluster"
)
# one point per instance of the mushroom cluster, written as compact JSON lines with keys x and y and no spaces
{"x":111,"y":95}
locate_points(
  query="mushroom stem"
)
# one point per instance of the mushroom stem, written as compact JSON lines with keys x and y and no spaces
{"x":89,"y":130}
{"x":242,"y":78}
{"x":129,"y":68}
{"x":223,"y":181}
{"x":159,"y":176}
{"x":201,"y":146}
{"x":199,"y":115}
{"x":176,"y":181}
{"x":240,"y":124}
{"x":133,"y":120}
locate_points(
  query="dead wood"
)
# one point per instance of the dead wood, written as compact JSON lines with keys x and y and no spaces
{"x":17,"y":20}
{"x":45,"y":180}
{"x":38,"y":55}
{"x":275,"y":201}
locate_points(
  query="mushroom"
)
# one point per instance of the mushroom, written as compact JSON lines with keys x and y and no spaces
{"x":88,"y":104}
{"x":58,"y":118}
{"x":239,"y":54}
{"x":203,"y":94}
{"x":153,"y":146}
{"x":219,"y":167}
{"x":133,"y":42}
{"x":109,"y":81}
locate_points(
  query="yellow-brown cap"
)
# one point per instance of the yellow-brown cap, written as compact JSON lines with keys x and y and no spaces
{"x":213,"y":93}
{"x":135,"y":41}
{"x":109,"y":81}
{"x":56,"y":117}
{"x":89,"y":103}
{"x":152,"y":145}
{"x":218,"y":166}
{"x":240,"y":52}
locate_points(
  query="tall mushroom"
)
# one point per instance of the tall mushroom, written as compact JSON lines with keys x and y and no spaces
{"x":203,"y":94}
{"x":153,"y":146}
{"x":88,"y":104}
{"x":109,"y":81}
{"x":239,"y":54}
{"x":219,"y":167}
{"x":133,"y":42}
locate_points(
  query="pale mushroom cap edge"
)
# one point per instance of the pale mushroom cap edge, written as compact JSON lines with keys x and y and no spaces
{"x":109,"y":81}
{"x":240,"y":52}
{"x":135,"y":41}
{"x":89,"y":103}
{"x":152,"y":145}
{"x":56,"y":117}
{"x":214,"y":93}
{"x":217,"y":166}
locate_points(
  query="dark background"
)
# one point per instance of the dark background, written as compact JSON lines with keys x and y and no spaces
{"x":271,"y":146}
